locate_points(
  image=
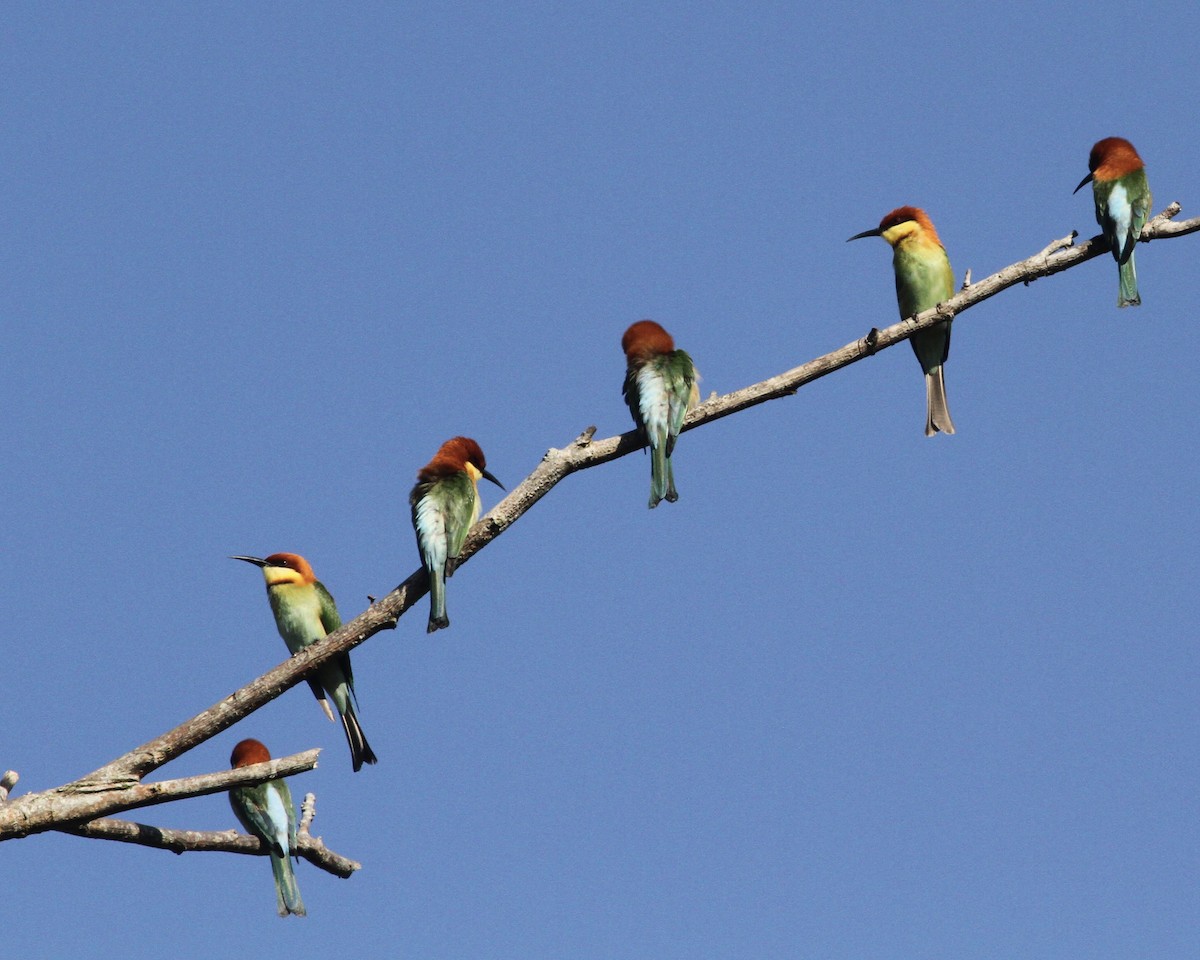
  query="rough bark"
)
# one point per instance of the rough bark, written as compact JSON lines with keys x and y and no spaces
{"x":309,"y":848}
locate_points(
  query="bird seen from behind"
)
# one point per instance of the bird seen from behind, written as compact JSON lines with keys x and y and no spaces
{"x":1122,"y":196}
{"x":266,"y":811}
{"x":445,"y":505}
{"x":661,"y":386}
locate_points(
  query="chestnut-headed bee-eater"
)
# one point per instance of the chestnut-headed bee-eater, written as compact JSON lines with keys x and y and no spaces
{"x":445,"y":504}
{"x":661,"y":386}
{"x":1122,"y":195}
{"x":923,"y":280}
{"x":266,"y":811}
{"x":304,"y":613}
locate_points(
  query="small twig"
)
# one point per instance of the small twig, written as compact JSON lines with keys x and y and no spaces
{"x":1163,"y":226}
{"x":1057,"y":245}
{"x":308,"y":810}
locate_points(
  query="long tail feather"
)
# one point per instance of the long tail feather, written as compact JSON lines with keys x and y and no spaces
{"x":360,"y":750}
{"x":437,"y":602}
{"x":287,"y":891}
{"x":659,"y":470}
{"x":937,"y":412}
{"x":1128,"y":296}
{"x":672,"y":494}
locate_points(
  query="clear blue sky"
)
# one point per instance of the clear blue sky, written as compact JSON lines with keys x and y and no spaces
{"x":858,"y":694}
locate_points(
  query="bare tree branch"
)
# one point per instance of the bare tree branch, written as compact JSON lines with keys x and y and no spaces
{"x":310,"y":848}
{"x":18,"y":818}
{"x":84,"y":800}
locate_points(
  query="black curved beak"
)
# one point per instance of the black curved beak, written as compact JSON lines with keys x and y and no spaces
{"x":487,"y":476}
{"x":1087,"y":179}
{"x":866,"y":233}
{"x":257,"y":561}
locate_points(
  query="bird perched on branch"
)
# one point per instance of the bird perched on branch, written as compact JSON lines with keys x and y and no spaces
{"x":445,"y":504}
{"x":1123,"y":199}
{"x":304,"y":613}
{"x":661,"y":386}
{"x":923,"y":280}
{"x":266,"y":811}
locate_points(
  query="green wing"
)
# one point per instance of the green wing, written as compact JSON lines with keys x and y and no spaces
{"x":329,"y":614}
{"x":250,"y":806}
{"x":461,"y":503}
{"x":683,"y":387}
{"x":286,"y":796}
{"x":331,"y":620}
{"x":1140,"y":200}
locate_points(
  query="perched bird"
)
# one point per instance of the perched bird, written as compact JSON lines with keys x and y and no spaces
{"x":923,"y":280}
{"x":1122,"y":195}
{"x":661,"y":386}
{"x":304,"y":613}
{"x":266,"y":811}
{"x":445,"y":503}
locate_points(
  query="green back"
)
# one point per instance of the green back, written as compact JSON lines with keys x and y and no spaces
{"x":456,"y":498}
{"x":1137,"y":190}
{"x":250,"y":806}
